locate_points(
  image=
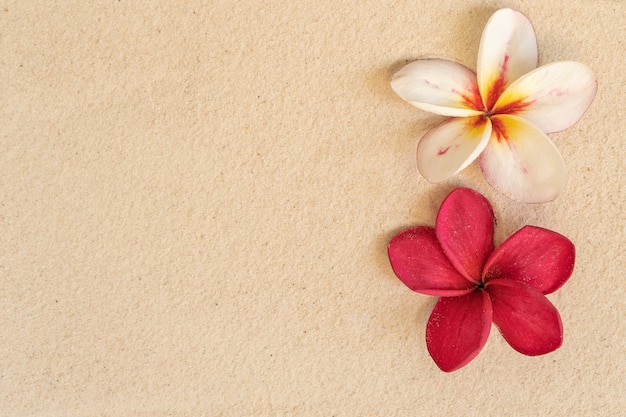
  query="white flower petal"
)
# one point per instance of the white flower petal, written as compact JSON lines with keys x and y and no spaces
{"x":439,"y":86}
{"x":553,"y":97}
{"x":450,"y":147}
{"x":521,"y":162}
{"x":508,"y":50}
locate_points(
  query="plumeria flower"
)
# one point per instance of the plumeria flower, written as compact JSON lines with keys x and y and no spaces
{"x":502,"y":113}
{"x":478,"y":285}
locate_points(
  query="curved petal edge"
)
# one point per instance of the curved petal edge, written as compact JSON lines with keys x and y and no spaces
{"x":439,"y":86}
{"x":419,"y":262}
{"x":508,"y":49}
{"x":534,"y":256}
{"x":464,"y":227}
{"x":526,"y":318}
{"x":458,"y":329}
{"x":553,"y":97}
{"x":450,"y":147}
{"x":521,"y":162}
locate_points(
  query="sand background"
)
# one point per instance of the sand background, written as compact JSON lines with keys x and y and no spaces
{"x":196,"y":199}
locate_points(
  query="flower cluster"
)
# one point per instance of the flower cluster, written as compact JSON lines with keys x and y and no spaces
{"x":502,"y":113}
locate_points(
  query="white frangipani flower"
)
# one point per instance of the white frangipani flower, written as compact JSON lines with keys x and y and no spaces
{"x":502,"y":113}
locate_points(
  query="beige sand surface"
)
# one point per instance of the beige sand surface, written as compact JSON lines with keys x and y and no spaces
{"x":196,"y":199}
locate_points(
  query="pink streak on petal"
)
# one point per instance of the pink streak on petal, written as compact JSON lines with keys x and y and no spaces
{"x":439,"y":86}
{"x":465,"y":138}
{"x":515,"y":106}
{"x":517,"y":144}
{"x":458,"y":329}
{"x":498,"y":85}
{"x":419,"y":262}
{"x":526,"y":318}
{"x":465,"y":230}
{"x":534,"y":256}
{"x":508,"y":49}
{"x":558,"y":92}
{"x":471,"y":96}
{"x":552,"y":97}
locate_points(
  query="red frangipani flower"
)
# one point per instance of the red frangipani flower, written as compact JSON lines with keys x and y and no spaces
{"x":478,"y":285}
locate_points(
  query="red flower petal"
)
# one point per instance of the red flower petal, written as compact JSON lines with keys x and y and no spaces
{"x":418,"y":260}
{"x":526,"y":318}
{"x":458,"y":329}
{"x":465,"y":230}
{"x":534,"y":256}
